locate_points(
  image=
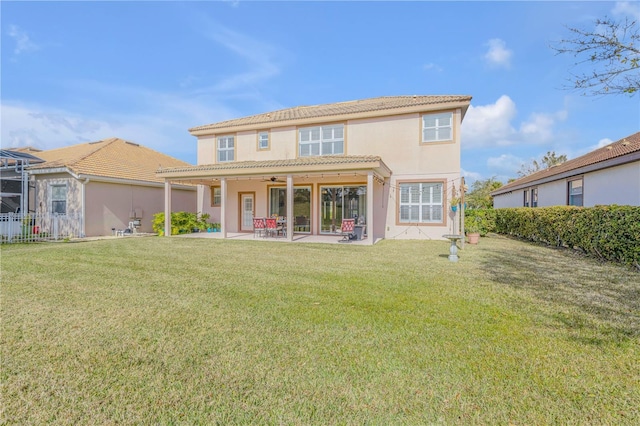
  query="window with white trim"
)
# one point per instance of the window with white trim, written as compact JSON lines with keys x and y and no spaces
{"x":421,"y":202}
{"x":59,"y":198}
{"x":263,"y":140}
{"x":526,"y":198}
{"x":216,"y":196}
{"x":575,"y":192}
{"x":437,"y":127}
{"x":226,"y":149}
{"x":321,"y":140}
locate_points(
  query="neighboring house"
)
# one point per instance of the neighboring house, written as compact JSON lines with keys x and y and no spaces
{"x":608,"y":175}
{"x":107,"y":184}
{"x":389,"y":162}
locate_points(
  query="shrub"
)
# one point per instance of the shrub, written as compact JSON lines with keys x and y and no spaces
{"x":608,"y":232}
{"x":181,"y":222}
{"x":480,"y":220}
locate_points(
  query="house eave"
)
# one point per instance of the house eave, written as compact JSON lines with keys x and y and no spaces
{"x":463,"y":105}
{"x":207,"y":173}
{"x":613,"y":162}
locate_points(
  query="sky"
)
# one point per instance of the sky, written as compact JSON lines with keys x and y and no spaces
{"x":75,"y":72}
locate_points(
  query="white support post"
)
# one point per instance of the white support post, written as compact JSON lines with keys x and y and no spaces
{"x":223,"y":207}
{"x":370,"y":228}
{"x":167,"y":208}
{"x":290,"y":217}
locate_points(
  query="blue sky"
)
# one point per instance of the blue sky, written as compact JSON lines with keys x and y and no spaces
{"x":76,"y":72}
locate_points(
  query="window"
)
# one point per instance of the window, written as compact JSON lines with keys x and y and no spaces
{"x":575,"y":192}
{"x":534,"y":197}
{"x":437,"y":127}
{"x":59,"y":199}
{"x":225,"y":149}
{"x":321,"y":140}
{"x":526,"y":198}
{"x":263,"y":140}
{"x":216,"y":196}
{"x":421,"y":202}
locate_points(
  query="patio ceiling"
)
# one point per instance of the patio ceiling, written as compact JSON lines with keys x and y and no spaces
{"x":306,"y":166}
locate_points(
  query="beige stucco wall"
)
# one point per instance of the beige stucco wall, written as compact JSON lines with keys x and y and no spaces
{"x":108,"y":205}
{"x":396,"y":139}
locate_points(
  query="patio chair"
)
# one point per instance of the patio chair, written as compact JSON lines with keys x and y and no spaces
{"x":272,"y":226}
{"x":346,"y":229}
{"x":259,"y":227}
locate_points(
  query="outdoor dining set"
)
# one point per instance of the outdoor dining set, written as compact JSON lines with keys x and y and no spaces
{"x":270,"y":226}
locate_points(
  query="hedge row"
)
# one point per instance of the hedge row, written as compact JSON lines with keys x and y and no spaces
{"x":608,"y":232}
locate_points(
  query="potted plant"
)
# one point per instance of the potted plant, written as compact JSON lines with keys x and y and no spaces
{"x":455,"y":201}
{"x":472,"y":228}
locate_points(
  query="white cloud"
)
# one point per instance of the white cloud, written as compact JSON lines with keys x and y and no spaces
{"x":498,"y":55}
{"x":260,"y":57}
{"x":539,"y":127}
{"x":160,"y":122}
{"x":489,"y":125}
{"x":506,"y":164}
{"x":22,"y":40}
{"x":432,"y":66}
{"x":470,"y":177}
{"x":623,"y":8}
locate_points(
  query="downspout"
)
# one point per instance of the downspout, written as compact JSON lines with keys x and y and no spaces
{"x":83,"y":210}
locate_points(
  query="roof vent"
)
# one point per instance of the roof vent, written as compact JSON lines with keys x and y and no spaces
{"x":609,"y":147}
{"x":625,"y":142}
{"x":132,"y":143}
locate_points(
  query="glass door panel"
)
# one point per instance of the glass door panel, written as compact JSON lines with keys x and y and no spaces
{"x":301,"y":206}
{"x":339,"y":203}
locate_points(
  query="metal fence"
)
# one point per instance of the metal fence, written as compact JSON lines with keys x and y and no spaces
{"x":33,"y":227}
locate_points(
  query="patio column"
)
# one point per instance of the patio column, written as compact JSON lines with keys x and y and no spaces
{"x":290,"y":217}
{"x":167,"y":208}
{"x":223,"y":207}
{"x":370,"y":233}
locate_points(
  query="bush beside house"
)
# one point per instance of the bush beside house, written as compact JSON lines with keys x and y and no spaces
{"x":182,"y":223}
{"x":607,"y":232}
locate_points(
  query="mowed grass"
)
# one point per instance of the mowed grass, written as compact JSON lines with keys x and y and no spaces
{"x":196,"y":331}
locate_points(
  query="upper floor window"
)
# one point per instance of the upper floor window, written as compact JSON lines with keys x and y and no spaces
{"x":226,"y":149}
{"x":59,"y":199}
{"x":321,"y":140}
{"x":263,"y":140}
{"x":421,"y":202}
{"x":575,"y":192}
{"x":437,"y":127}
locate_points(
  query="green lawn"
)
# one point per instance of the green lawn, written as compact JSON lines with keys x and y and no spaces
{"x":201,"y":331}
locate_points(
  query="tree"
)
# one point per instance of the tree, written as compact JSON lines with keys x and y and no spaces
{"x":480,"y":195}
{"x":613,"y":50}
{"x":548,"y":160}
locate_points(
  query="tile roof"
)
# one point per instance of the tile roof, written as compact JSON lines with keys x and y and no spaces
{"x":621,"y":148}
{"x":329,"y":160}
{"x":111,"y":158}
{"x":385,"y":103}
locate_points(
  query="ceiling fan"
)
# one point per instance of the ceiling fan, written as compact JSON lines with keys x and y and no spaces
{"x":272,"y":179}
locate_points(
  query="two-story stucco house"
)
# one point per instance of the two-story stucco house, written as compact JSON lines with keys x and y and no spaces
{"x":387,"y":162}
{"x":607,"y":175}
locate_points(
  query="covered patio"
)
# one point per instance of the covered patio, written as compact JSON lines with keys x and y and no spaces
{"x":323,"y":190}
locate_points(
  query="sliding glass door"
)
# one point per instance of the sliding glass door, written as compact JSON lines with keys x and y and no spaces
{"x":341,"y":202}
{"x":301,"y":206}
